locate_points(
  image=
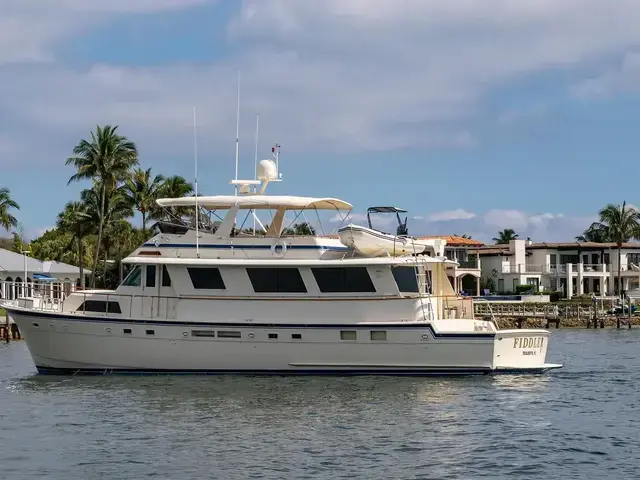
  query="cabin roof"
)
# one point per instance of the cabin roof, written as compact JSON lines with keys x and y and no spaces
{"x":281,"y":262}
{"x":385,"y":210}
{"x":257,"y":202}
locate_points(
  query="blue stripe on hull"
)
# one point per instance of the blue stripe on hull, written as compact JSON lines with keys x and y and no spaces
{"x":245,"y":247}
{"x":442,"y":372}
{"x":128,"y":321}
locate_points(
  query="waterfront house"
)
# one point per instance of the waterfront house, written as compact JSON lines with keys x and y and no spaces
{"x":42,"y":276}
{"x":573,"y":268}
{"x":467,"y":275}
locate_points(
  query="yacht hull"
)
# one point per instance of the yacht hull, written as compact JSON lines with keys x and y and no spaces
{"x":73,"y":344}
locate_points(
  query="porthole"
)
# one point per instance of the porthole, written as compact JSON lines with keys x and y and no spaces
{"x":185,"y":334}
{"x":108,"y":329}
{"x":251,"y":335}
{"x":425,"y":336}
{"x":36,"y":324}
{"x":52,"y":326}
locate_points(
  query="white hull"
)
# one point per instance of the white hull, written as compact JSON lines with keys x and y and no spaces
{"x":73,"y":344}
{"x":372,"y":243}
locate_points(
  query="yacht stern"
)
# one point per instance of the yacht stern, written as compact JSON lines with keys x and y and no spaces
{"x":522,"y":350}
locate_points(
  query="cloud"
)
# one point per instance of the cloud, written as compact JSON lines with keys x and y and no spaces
{"x":30,"y":31}
{"x":539,"y":226}
{"x":448,"y":215}
{"x":622,"y":79}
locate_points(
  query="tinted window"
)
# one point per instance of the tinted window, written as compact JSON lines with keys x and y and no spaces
{"x":343,"y":279}
{"x":276,"y":280}
{"x":150,"y":281}
{"x":208,"y":278}
{"x":406,"y":279}
{"x":133,"y":279}
{"x":99,"y":306}
{"x":166,"y":279}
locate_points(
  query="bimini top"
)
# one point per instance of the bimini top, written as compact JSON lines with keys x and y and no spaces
{"x":385,"y":210}
{"x":257,"y":202}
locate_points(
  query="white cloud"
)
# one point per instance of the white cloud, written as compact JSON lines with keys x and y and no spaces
{"x":624,"y":78}
{"x":540,"y":227}
{"x":30,"y":31}
{"x":448,"y":215}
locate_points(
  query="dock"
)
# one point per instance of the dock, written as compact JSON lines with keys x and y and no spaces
{"x":546,"y":315}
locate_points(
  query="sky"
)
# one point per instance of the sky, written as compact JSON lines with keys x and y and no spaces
{"x":474,"y":115}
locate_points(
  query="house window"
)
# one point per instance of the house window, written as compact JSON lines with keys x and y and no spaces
{"x":276,"y":280}
{"x":553,"y":260}
{"x":151,"y":276}
{"x":206,"y":278}
{"x":406,"y":279}
{"x":343,"y":280}
{"x":348,"y":335}
{"x":501,"y":285}
{"x":99,"y":306}
{"x":166,"y":278}
{"x":633,"y":258}
{"x":133,"y":279}
{"x":378,"y":335}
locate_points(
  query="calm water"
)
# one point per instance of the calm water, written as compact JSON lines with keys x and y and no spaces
{"x":579,"y":422}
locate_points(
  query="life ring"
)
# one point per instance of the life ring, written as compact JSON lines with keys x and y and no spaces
{"x":279,"y":249}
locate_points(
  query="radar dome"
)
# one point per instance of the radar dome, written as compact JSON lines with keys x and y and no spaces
{"x":267,"y":170}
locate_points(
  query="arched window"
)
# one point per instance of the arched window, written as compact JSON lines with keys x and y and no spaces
{"x":67,"y":286}
{"x":29,"y":287}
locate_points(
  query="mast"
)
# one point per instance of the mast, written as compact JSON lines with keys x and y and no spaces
{"x":195,"y":167}
{"x":255,"y":167}
{"x":237,"y":132}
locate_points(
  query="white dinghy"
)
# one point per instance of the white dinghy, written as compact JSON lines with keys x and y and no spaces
{"x":375,"y":243}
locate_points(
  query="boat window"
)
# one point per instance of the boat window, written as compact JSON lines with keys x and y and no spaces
{"x":133,"y":279}
{"x":150,"y":281}
{"x":378,"y":334}
{"x":296,"y":336}
{"x":126,"y":331}
{"x":99,"y":306}
{"x":273,"y":336}
{"x":348,"y":335}
{"x":203,"y":333}
{"x":206,"y":278}
{"x":166,"y":278}
{"x":343,"y":279}
{"x":406,"y":279}
{"x":276,"y":280}
{"x":150,"y":332}
{"x":228,"y":334}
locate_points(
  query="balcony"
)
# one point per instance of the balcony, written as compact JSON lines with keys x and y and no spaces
{"x":587,"y":269}
{"x":469,"y":264}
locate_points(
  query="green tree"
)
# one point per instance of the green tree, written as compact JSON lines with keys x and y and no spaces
{"x":505,"y":236}
{"x":7,"y":220}
{"x":595,"y":233}
{"x":76,"y":220}
{"x":106,"y":159}
{"x":620,"y":224}
{"x":143,"y":190}
{"x":172,"y":187}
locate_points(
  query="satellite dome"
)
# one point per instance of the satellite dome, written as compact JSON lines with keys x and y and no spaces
{"x":267,"y":170}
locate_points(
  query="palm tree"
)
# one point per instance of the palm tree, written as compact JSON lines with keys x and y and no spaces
{"x":505,"y":236}
{"x":7,"y":220}
{"x":595,"y":233}
{"x":143,"y":191}
{"x":76,"y":219}
{"x":464,"y":235}
{"x":106,"y":159}
{"x":621,"y":223}
{"x":172,"y":187}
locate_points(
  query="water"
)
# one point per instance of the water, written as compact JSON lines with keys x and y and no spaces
{"x":580,"y":422}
